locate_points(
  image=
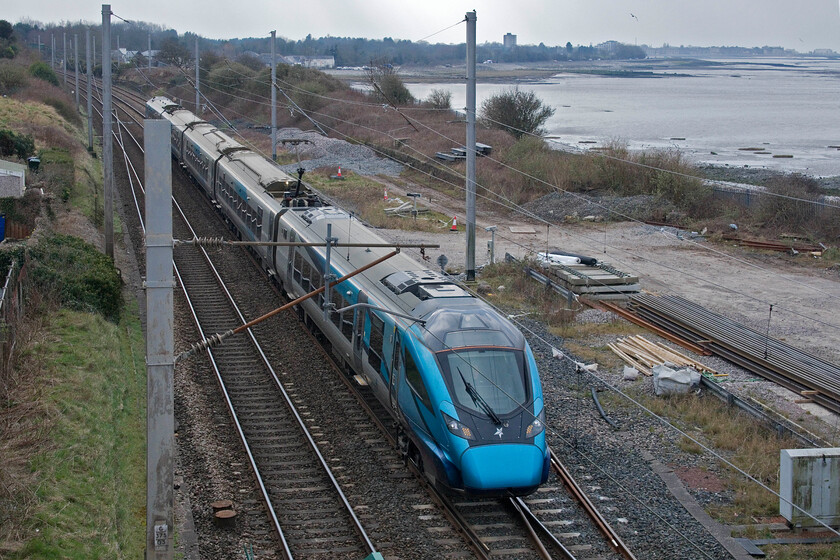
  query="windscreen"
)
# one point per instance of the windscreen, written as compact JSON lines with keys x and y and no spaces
{"x":494,"y":375}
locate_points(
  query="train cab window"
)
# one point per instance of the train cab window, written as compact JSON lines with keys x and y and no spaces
{"x":377,"y":340}
{"x":415,"y":380}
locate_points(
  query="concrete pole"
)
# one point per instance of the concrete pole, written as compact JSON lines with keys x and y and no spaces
{"x":107,"y":139}
{"x":471,"y":19}
{"x":63,"y":57}
{"x":149,"y":52}
{"x":52,"y":52}
{"x":197,"y":86}
{"x":76,"y":61}
{"x":94,"y":47}
{"x":273,"y":96}
{"x":89,"y":68}
{"x":160,"y":343}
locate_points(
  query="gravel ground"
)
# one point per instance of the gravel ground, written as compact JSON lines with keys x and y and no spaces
{"x":611,"y":465}
{"x":331,"y":152}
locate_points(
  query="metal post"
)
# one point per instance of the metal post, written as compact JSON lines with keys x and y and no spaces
{"x":471,"y":19}
{"x":160,"y":343}
{"x":197,"y":89}
{"x":76,"y":61}
{"x":89,"y":67}
{"x":94,"y":47}
{"x":107,"y":139}
{"x":52,"y":51}
{"x":328,"y":275}
{"x":63,"y":56}
{"x":492,"y":230}
{"x":273,"y":96}
{"x":149,"y":52}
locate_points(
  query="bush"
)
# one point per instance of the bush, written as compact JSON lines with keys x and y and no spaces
{"x":42,"y":71}
{"x":20,"y":145}
{"x":12,"y":77}
{"x":64,"y":109}
{"x":518,"y":112}
{"x":78,"y":274}
{"x":792,"y":205}
{"x":440,"y":99}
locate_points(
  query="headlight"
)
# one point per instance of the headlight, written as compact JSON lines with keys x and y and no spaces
{"x":536,"y":427}
{"x":457,"y":428}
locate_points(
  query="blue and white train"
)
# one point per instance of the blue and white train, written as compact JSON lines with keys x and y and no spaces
{"x":459,"y":379}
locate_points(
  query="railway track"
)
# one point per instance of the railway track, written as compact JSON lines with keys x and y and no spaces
{"x":305,"y":503}
{"x":516,"y":528}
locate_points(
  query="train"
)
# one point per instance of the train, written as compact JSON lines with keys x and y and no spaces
{"x":459,"y":379}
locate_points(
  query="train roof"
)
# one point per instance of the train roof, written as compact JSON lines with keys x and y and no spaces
{"x":254,"y":167}
{"x":410,"y":286}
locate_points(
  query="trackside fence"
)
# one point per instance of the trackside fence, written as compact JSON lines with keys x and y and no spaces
{"x":11,"y":310}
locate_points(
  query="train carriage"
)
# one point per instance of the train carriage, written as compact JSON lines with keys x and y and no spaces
{"x":459,"y":378}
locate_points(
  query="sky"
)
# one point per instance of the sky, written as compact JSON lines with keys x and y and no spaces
{"x":803,"y":25}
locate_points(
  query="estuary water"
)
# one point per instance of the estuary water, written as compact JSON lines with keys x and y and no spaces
{"x":713,"y":113}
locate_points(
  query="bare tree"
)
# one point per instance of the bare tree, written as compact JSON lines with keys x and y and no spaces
{"x":518,"y":112}
{"x":387,"y":84}
{"x":440,"y":99}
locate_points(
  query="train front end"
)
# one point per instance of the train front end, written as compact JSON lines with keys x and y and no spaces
{"x":495,"y":416}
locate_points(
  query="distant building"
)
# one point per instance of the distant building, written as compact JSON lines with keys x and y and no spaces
{"x":318,"y":62}
{"x":509,"y":40}
{"x":123,"y":55}
{"x":12,"y":179}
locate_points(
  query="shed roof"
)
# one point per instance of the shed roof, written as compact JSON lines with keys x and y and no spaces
{"x":11,"y":166}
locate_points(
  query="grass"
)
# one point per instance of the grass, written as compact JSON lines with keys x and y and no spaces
{"x":90,"y":497}
{"x":365,"y":198}
{"x":741,"y":440}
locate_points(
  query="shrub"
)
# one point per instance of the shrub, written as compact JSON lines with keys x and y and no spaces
{"x":20,"y":145}
{"x":518,"y":112}
{"x":64,"y":109}
{"x":42,"y":71}
{"x":78,"y":274}
{"x":789,"y":205}
{"x":12,"y":77}
{"x":440,"y":99}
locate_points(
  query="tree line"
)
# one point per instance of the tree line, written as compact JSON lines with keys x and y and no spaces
{"x":347,"y":51}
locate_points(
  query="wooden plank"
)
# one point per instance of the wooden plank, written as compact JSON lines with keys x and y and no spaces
{"x":633,"y":318}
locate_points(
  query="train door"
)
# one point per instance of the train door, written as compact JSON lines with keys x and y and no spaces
{"x":396,"y":365}
{"x":359,"y":332}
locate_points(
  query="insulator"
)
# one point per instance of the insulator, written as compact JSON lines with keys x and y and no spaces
{"x":204,"y":345}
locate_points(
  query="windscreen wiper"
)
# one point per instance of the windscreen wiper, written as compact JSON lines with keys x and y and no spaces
{"x":479,"y":401}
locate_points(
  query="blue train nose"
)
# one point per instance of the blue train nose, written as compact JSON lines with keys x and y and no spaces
{"x":502,"y":466}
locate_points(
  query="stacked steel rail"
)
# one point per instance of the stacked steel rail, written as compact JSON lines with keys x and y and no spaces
{"x":772,"y":359}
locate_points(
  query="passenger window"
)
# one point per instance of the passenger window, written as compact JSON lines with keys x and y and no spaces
{"x":306,"y":271}
{"x":415,"y":380}
{"x":377,"y":339}
{"x":335,"y":297}
{"x":297,"y":266}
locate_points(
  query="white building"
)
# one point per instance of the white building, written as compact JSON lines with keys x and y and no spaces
{"x":12,"y":179}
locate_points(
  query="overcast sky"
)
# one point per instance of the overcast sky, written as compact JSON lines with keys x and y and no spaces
{"x":803,"y":25}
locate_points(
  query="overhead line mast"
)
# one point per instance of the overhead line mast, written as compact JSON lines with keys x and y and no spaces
{"x":471,"y":19}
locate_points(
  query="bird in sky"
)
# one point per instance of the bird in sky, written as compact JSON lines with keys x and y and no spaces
{"x":632,"y":15}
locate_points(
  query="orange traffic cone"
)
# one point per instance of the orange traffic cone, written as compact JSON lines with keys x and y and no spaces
{"x":339,"y":173}
{"x":386,"y":193}
{"x":454,"y":224}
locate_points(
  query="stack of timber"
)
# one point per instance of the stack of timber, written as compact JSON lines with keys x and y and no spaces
{"x":642,"y":354}
{"x":772,"y":359}
{"x":600,"y":281}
